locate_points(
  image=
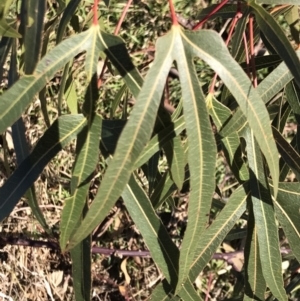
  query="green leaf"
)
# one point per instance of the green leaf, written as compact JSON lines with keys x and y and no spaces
{"x":188,"y":292}
{"x":265,"y":222}
{"x":133,"y":139}
{"x":164,"y":188}
{"x":117,"y":100}
{"x":275,"y":81}
{"x":288,"y":153}
{"x":175,"y":157}
{"x":283,"y":113}
{"x":267,"y":89}
{"x":164,"y":292}
{"x":278,"y":2}
{"x":4,"y":7}
{"x":61,"y":132}
{"x":8,"y":31}
{"x":212,"y":237}
{"x":237,"y":39}
{"x":277,"y":38}
{"x":287,"y":206}
{"x":255,"y":284}
{"x":20,"y":144}
{"x":292,"y":18}
{"x":207,"y":45}
{"x":87,"y":151}
{"x":115,"y":49}
{"x":202,"y":156}
{"x":70,"y":95}
{"x":65,"y":19}
{"x":265,"y":61}
{"x":226,"y":12}
{"x":63,"y":82}
{"x":293,"y":98}
{"x":160,"y":139}
{"x":110,"y":133}
{"x":163,"y":251}
{"x":81,"y":270}
{"x":14,"y":100}
{"x":35,"y":11}
{"x":231,"y":143}
{"x":152,"y":173}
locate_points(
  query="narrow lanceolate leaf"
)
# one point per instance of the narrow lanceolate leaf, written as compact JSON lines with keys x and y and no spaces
{"x":33,"y":33}
{"x":288,"y":153}
{"x":237,"y":39}
{"x":231,"y":143}
{"x":293,"y":98}
{"x":278,"y":2}
{"x":87,"y":151}
{"x":152,"y":173}
{"x":287,"y":208}
{"x":188,"y":292}
{"x":255,"y":284}
{"x":81,"y":270}
{"x":164,"y":188}
{"x":163,"y":292}
{"x":277,"y":38}
{"x":202,"y":151}
{"x":267,"y":89}
{"x":65,"y":19}
{"x":292,"y":18}
{"x":115,"y":49}
{"x":61,"y":132}
{"x":160,"y":139}
{"x":207,"y":45}
{"x":226,"y":12}
{"x":15,"y":100}
{"x":272,"y":60}
{"x":212,"y":237}
{"x":175,"y":157}
{"x":20,"y":144}
{"x":163,"y":251}
{"x":275,"y":81}
{"x":133,"y":139}
{"x":264,"y":219}
{"x":8,"y":31}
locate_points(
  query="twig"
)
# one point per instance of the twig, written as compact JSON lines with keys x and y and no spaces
{"x":27,"y":242}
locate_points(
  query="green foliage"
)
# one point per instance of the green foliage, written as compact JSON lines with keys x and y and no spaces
{"x":240,"y":116}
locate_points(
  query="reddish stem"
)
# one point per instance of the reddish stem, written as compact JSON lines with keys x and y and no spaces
{"x":251,"y":40}
{"x":208,"y":286}
{"x":173,"y":14}
{"x":216,"y":9}
{"x":116,"y":31}
{"x":247,"y":54}
{"x":27,"y":242}
{"x":124,"y":12}
{"x":95,"y":10}
{"x":237,"y":16}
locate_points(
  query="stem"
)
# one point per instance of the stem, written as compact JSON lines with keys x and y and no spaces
{"x":95,"y":10}
{"x":208,"y":286}
{"x":116,"y":31}
{"x":26,"y":242}
{"x":247,"y":54}
{"x":173,"y":14}
{"x":216,"y":9}
{"x":124,"y":12}
{"x":237,"y":16}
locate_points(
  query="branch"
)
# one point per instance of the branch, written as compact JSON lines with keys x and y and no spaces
{"x":27,"y":242}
